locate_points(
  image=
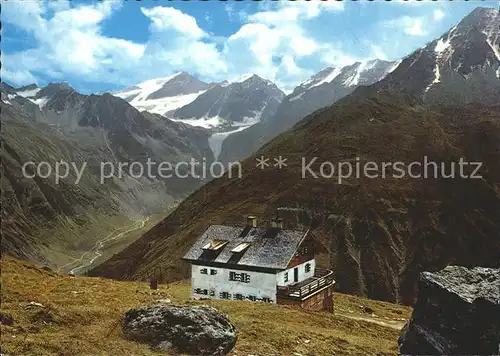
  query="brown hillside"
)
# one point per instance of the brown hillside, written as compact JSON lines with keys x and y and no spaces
{"x":45,"y":313}
{"x":381,"y":232}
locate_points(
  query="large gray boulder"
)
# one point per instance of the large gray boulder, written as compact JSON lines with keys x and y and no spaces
{"x":457,"y":313}
{"x":193,"y":330}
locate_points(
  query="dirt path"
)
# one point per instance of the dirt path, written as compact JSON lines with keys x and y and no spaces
{"x":391,"y":323}
{"x":88,"y":258}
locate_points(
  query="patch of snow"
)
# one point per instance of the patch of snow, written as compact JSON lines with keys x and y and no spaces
{"x":437,"y":78}
{"x":443,"y":51}
{"x":169,"y":103}
{"x":160,"y":105}
{"x":307,"y":82}
{"x":363,"y":67}
{"x":215,"y":141}
{"x":205,"y":122}
{"x":493,"y":38}
{"x":242,"y":78}
{"x":441,"y":46}
{"x":248,"y":121}
{"x":11,"y":96}
{"x":150,"y":86}
{"x":144,"y":89}
{"x":41,"y":102}
{"x":6,"y":102}
{"x":393,"y":68}
{"x":495,"y":49}
{"x":329,"y":78}
{"x":296,"y":97}
{"x":354,"y":79}
{"x":28,"y":93}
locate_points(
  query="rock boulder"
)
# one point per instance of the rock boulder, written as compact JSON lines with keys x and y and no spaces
{"x":457,"y":313}
{"x":193,"y":330}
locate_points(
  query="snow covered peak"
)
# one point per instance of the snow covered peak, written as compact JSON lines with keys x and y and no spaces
{"x":163,"y":95}
{"x":325,"y":76}
{"x":150,"y":86}
{"x":462,"y":65}
{"x":242,"y":78}
{"x":28,"y":91}
{"x":358,"y":73}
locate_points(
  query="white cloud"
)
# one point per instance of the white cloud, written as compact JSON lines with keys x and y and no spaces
{"x":164,"y":19}
{"x":413,"y":26}
{"x":378,"y":52}
{"x":438,"y":14}
{"x":274,"y":40}
{"x":334,"y":55}
{"x":19,"y":77}
{"x":69,"y":42}
{"x":277,"y":43}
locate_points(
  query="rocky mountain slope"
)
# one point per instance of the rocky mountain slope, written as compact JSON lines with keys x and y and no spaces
{"x":245,"y":101}
{"x":43,"y":218}
{"x":381,"y":231}
{"x":321,"y":90}
{"x":225,"y":107}
{"x":461,"y":66}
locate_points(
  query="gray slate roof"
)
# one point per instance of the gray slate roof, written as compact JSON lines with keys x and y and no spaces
{"x":269,"y":248}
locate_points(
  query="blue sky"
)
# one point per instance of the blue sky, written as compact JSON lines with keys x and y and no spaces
{"x":107,"y":45}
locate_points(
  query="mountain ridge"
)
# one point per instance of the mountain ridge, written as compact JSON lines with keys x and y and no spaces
{"x":43,"y":218}
{"x":322,"y":89}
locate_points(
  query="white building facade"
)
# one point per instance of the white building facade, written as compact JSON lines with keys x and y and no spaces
{"x":240,"y":284}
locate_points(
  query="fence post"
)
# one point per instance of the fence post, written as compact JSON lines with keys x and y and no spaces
{"x":153,"y":283}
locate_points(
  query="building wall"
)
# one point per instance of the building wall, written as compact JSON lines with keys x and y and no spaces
{"x":323,"y":300}
{"x":303,"y":275}
{"x":261,"y":285}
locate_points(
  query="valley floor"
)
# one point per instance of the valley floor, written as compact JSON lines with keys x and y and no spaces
{"x":107,"y":241}
{"x":46,"y":313}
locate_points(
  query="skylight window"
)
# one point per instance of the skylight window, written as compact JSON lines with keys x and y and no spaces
{"x":215,"y":245}
{"x":241,"y":247}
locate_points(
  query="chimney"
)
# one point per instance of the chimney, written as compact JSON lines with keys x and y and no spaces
{"x":251,"y":221}
{"x":277,"y":223}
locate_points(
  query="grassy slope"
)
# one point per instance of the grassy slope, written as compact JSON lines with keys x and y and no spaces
{"x":86,"y":314}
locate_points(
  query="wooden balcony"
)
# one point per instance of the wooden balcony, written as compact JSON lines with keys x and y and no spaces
{"x":322,"y":278}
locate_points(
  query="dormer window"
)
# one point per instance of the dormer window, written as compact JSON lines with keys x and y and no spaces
{"x":215,"y":245}
{"x":241,"y":247}
{"x":238,"y":252}
{"x":212,"y":249}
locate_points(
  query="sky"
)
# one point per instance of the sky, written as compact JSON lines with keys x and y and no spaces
{"x":98,"y":46}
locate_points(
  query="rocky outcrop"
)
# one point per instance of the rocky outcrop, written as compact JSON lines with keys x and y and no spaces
{"x":193,"y":330}
{"x":457,"y":313}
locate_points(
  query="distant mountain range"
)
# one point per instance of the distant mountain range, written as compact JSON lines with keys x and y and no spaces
{"x":440,"y":102}
{"x":323,"y":89}
{"x":225,"y":107}
{"x":181,"y":117}
{"x":55,"y":123}
{"x":247,"y":112}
